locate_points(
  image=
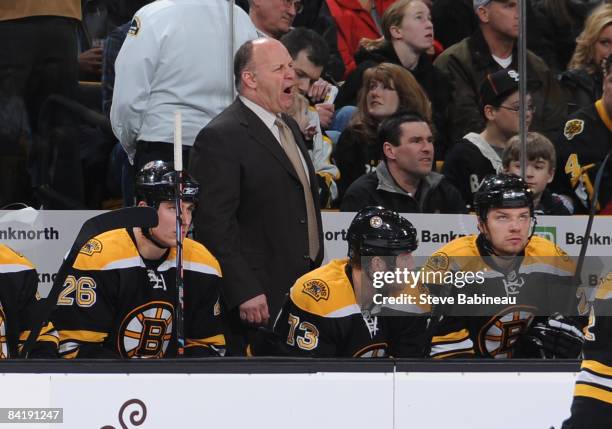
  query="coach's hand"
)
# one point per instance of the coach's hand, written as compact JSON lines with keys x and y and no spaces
{"x":255,"y":310}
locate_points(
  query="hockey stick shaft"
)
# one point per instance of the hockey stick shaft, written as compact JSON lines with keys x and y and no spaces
{"x":132,"y":217}
{"x":179,"y":310}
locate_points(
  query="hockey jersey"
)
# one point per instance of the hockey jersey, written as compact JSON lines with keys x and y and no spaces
{"x":19,"y":303}
{"x":115,"y":304}
{"x":322,"y":318}
{"x":587,"y":138}
{"x":489,"y":315}
{"x":592,"y":405}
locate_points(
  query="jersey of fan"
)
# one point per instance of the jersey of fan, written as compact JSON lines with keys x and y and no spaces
{"x":585,"y":143}
{"x":322,"y":318}
{"x":592,"y":405}
{"x":536,"y":284}
{"x":19,"y":302}
{"x":116,"y":304}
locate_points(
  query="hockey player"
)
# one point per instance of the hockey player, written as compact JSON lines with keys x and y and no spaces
{"x":119,"y":298}
{"x":521,"y":284}
{"x":329,"y":312}
{"x":19,"y":301}
{"x":592,"y":406}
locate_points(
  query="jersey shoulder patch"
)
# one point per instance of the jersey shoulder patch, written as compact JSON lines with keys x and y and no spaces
{"x":573,"y":127}
{"x":109,"y":250}
{"x":316,"y":289}
{"x":326,"y":291}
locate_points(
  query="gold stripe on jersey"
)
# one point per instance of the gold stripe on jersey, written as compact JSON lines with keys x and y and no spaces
{"x":453,"y":336}
{"x":109,"y":250}
{"x":71,"y":355}
{"x":12,"y":262}
{"x":326,"y":291}
{"x":116,"y":250}
{"x":47,"y":333}
{"x":82,"y":335}
{"x":593,"y":392}
{"x":217,"y":340}
{"x":541,"y":256}
{"x":597,"y":367}
{"x":603,"y":114}
{"x":454,"y":354}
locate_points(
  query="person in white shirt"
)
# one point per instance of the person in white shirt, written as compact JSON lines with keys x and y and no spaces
{"x":177,"y":56}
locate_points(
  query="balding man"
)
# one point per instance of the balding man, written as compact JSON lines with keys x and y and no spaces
{"x":273,"y":18}
{"x":259,"y":215}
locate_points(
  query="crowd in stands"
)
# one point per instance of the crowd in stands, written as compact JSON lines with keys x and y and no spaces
{"x":88,"y":91}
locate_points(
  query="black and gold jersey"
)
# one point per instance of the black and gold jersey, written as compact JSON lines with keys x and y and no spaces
{"x":322,"y":318}
{"x":116,"y":304}
{"x":19,"y":303}
{"x":489,"y":314}
{"x":586,"y":139}
{"x":592,"y":405}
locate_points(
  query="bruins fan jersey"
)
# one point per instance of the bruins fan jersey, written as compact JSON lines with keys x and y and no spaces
{"x":19,"y":302}
{"x":116,"y":304}
{"x":587,"y":138}
{"x":592,"y":406}
{"x":321,"y":318}
{"x":537,"y":283}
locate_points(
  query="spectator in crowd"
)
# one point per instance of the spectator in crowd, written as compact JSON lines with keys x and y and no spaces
{"x":386,"y":89}
{"x":316,"y":16}
{"x":454,"y":20}
{"x":332,"y":312}
{"x":154,"y":78}
{"x":38,"y":57}
{"x":552,"y":29}
{"x":19,"y":305}
{"x":119,"y":297}
{"x":310,"y":54}
{"x":541,"y":162}
{"x":273,"y":18}
{"x":584,"y":144}
{"x":584,"y":77}
{"x":478,"y":155}
{"x":404,"y":180}
{"x":493,"y":47}
{"x":355,"y":20}
{"x":262,"y":217}
{"x":408,"y":35}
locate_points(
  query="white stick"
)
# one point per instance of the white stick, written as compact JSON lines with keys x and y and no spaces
{"x":178,"y":142}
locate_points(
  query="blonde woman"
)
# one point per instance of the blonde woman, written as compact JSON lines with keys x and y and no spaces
{"x":584,"y":79}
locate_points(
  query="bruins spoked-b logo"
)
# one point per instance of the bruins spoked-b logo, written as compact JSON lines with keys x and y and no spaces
{"x":317,"y":289}
{"x":146,"y":331}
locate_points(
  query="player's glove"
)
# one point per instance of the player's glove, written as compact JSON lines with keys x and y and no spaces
{"x":558,"y":337}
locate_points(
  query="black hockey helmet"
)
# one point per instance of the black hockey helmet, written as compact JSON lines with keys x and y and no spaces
{"x":376,"y":231}
{"x":502,"y":191}
{"x":155,"y":182}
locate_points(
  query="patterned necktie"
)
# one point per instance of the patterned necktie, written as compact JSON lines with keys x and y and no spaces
{"x":291,"y":150}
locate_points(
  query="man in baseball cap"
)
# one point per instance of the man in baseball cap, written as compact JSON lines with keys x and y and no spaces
{"x":490,"y":48}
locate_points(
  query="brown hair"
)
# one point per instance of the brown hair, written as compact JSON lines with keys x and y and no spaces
{"x":411,"y":97}
{"x":393,"y":17}
{"x":538,"y":147}
{"x":599,"y":19}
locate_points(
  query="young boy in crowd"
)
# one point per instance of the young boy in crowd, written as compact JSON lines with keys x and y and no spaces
{"x":541,"y":161}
